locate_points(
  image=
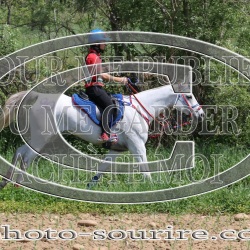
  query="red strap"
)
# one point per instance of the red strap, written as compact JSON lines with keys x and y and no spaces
{"x":147,"y":120}
{"x":143,"y":116}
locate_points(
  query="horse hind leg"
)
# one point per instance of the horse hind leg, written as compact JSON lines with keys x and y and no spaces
{"x":8,"y":178}
{"x":25,"y":162}
{"x":23,"y":156}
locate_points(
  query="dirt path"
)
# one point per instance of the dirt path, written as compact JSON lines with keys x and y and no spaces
{"x":204,"y":228}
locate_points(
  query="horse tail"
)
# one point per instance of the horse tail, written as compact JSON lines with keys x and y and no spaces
{"x":8,"y":113}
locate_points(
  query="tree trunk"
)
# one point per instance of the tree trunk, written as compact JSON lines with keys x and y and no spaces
{"x":9,"y":14}
{"x":186,"y":16}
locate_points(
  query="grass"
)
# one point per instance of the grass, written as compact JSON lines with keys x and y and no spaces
{"x":232,"y":199}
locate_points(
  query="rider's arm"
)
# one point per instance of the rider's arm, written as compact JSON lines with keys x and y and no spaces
{"x":109,"y":78}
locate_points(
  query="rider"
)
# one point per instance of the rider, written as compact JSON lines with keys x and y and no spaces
{"x":95,"y":84}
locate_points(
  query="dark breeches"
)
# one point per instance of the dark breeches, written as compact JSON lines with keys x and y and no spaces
{"x":103,"y":101}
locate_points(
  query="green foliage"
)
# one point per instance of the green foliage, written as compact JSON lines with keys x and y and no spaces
{"x":238,"y":97}
{"x":225,"y":23}
{"x":7,"y":40}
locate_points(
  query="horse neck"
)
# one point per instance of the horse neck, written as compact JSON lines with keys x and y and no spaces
{"x":155,"y":100}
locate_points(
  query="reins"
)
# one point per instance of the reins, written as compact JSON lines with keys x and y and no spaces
{"x":133,"y":92}
{"x":161,"y":123}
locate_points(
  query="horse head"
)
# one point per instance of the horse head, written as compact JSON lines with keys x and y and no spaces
{"x":188,"y":104}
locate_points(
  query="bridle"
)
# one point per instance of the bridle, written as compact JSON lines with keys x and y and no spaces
{"x":183,"y":98}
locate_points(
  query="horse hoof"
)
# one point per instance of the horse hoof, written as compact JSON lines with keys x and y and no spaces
{"x":91,"y":184}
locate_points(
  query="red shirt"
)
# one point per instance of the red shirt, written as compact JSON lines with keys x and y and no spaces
{"x":94,"y":58}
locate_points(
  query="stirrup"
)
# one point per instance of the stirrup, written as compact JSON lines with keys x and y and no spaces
{"x":113,"y":138}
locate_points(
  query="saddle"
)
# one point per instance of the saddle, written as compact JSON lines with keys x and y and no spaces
{"x":81,"y":100}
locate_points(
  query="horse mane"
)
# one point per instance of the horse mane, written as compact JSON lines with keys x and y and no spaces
{"x":155,"y":89}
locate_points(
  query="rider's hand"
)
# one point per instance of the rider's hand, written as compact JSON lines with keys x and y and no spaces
{"x":124,"y":80}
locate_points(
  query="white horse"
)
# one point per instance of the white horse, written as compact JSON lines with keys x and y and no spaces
{"x":132,"y":130}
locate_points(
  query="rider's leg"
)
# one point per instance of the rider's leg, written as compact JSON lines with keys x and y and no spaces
{"x":101,"y":98}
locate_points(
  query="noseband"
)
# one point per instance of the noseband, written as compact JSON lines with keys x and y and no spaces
{"x":184,"y":100}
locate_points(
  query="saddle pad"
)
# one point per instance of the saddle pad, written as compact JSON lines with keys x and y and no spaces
{"x":90,"y":108}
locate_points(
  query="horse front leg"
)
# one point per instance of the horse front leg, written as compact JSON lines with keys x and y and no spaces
{"x":23,"y":155}
{"x":110,"y":157}
{"x":138,"y":150}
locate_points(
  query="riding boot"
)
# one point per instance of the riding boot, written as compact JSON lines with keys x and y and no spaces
{"x":107,"y":117}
